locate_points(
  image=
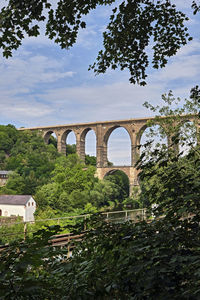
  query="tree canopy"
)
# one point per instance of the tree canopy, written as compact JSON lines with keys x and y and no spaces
{"x":60,"y":183}
{"x":29,"y":157}
{"x":134,"y":26}
{"x":153,"y":259}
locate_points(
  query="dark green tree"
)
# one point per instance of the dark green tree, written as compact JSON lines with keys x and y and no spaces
{"x":69,"y":187}
{"x":8,"y":138}
{"x":121,"y":181}
{"x":70,"y":149}
{"x":90,"y":160}
{"x":172,"y":161}
{"x":30,"y":158}
{"x":133,"y":26}
{"x":158,"y":259}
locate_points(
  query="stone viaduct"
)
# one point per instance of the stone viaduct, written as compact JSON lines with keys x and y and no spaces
{"x":103,"y":130}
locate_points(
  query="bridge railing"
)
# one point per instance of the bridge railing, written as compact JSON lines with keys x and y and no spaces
{"x":126,"y":215}
{"x":20,"y":230}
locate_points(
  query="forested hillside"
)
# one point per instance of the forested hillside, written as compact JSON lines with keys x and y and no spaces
{"x":154,"y":259}
{"x":60,"y":183}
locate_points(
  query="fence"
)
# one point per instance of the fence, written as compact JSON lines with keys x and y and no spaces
{"x":20,"y":230}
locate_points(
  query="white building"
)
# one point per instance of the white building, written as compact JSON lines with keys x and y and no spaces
{"x":4,"y":177}
{"x":18,"y":205}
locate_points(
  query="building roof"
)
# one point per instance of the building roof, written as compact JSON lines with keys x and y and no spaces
{"x":4,"y":172}
{"x":14,"y":199}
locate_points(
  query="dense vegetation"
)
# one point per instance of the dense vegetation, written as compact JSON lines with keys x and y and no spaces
{"x":156,"y":260}
{"x":59,"y":184}
{"x":29,"y":157}
{"x":146,"y":260}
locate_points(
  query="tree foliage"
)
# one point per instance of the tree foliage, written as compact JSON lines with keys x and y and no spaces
{"x":61,"y":183}
{"x":29,"y":157}
{"x":134,"y":25}
{"x":69,"y":185}
{"x":131,"y":29}
{"x":8,"y":137}
{"x":173,"y":162}
{"x":120,"y":179}
{"x":156,"y":259}
{"x":74,"y":186}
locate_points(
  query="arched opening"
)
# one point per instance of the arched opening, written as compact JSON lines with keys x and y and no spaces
{"x":90,"y":147}
{"x":70,"y":140}
{"x":50,"y":138}
{"x":187,"y":137}
{"x":53,"y":140}
{"x":119,"y":147}
{"x":152,"y":138}
{"x":120,"y":184}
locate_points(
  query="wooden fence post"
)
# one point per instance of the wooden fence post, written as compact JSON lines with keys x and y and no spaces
{"x":25,"y":230}
{"x":85,"y":227}
{"x":126,"y":215}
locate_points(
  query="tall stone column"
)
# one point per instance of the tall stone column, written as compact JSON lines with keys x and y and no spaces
{"x":61,"y":145}
{"x":135,"y":152}
{"x":100,"y":147}
{"x":80,"y":146}
{"x":105,"y":155}
{"x":133,"y":179}
{"x":174,"y":147}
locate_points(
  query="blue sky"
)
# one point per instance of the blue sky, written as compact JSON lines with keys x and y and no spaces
{"x":44,"y":85}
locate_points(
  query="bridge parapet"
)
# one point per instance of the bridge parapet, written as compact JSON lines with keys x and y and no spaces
{"x":103,"y":130}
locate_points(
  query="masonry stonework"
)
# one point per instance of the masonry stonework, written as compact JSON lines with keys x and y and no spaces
{"x":103,"y":130}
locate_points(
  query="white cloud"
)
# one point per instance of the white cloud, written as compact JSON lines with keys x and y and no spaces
{"x":182,"y":4}
{"x":87,"y":36}
{"x":106,"y":102}
{"x":190,"y":48}
{"x":22,"y":110}
{"x":25,"y":72}
{"x":33,"y":92}
{"x":181,"y":69}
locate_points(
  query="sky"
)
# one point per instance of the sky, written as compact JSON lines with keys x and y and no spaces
{"x":43,"y":85}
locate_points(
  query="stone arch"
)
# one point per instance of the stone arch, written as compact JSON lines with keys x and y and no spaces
{"x":186,"y":120}
{"x":83,"y":139}
{"x":85,"y":131}
{"x":114,"y":170}
{"x":131,"y":172}
{"x":106,"y":138}
{"x":47,"y":135}
{"x":187,"y":136}
{"x":111,"y":129}
{"x":65,"y":135}
{"x":140,"y":133}
{"x":142,"y":130}
{"x":63,"y":139}
{"x":125,"y":177}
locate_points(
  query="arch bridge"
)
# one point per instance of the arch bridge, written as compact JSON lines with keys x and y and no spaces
{"x":103,"y":130}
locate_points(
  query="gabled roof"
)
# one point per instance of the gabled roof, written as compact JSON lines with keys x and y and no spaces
{"x":14,"y":199}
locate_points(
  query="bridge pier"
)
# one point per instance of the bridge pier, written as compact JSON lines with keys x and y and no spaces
{"x":103,"y":130}
{"x":61,"y":145}
{"x":80,"y":147}
{"x":131,"y":172}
